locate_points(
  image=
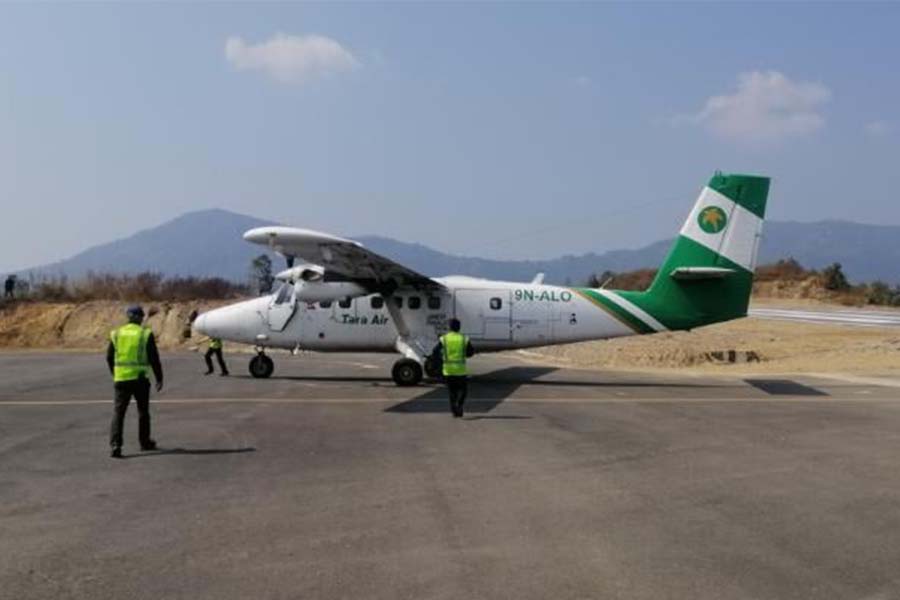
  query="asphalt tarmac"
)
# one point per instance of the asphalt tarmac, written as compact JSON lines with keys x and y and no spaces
{"x":328,"y":482}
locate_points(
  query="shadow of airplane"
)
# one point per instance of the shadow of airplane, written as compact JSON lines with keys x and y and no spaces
{"x":190,"y":451}
{"x":327,"y":378}
{"x":486,"y":391}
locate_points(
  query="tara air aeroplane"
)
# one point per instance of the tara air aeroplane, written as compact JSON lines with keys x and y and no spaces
{"x":350,"y":299}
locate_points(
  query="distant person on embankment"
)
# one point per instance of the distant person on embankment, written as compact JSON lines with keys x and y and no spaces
{"x":9,"y":287}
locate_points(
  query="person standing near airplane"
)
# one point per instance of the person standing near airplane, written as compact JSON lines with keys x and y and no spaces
{"x":215,"y":348}
{"x":453,"y":349}
{"x":130,"y":354}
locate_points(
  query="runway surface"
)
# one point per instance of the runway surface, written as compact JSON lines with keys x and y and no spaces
{"x":326,"y":481}
{"x":861,"y":318}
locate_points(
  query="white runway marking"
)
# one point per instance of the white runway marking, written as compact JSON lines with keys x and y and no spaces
{"x":860,"y":318}
{"x":442,"y":401}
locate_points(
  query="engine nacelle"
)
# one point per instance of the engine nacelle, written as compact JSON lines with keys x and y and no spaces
{"x":302,"y":273}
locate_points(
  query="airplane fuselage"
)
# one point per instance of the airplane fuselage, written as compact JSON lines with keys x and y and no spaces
{"x":495,"y":315}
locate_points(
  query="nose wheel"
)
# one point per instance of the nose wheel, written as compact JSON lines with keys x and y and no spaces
{"x":261,"y":366}
{"x":406,"y":372}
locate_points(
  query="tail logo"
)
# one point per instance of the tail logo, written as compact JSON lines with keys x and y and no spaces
{"x":712,"y":219}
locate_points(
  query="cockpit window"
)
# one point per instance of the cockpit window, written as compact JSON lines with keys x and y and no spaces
{"x":285,"y":293}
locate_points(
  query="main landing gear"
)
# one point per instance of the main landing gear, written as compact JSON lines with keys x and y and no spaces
{"x":261,"y":366}
{"x":406,"y":372}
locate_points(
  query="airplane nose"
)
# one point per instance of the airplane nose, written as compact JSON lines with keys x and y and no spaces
{"x":200,"y":324}
{"x":240,"y":322}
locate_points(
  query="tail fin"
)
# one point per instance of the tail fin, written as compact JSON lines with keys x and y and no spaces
{"x":708,"y":274}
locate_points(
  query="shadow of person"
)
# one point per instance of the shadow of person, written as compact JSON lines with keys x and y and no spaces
{"x":190,"y":451}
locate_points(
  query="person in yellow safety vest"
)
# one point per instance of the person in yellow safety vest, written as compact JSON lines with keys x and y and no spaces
{"x":452,"y":350}
{"x":131,"y":353}
{"x":215,"y":348}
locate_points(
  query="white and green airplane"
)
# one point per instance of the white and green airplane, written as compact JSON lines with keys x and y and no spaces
{"x":350,"y":299}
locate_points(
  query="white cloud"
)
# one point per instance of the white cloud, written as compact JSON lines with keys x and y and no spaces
{"x":290,"y":58}
{"x":878,"y":128}
{"x":765,"y":107}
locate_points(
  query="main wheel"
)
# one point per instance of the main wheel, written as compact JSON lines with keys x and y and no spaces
{"x":433,"y":367}
{"x":406,"y":372}
{"x":261,"y":366}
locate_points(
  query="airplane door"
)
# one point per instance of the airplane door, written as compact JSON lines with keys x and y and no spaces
{"x":530,"y":321}
{"x":282,"y":308}
{"x":484,"y":314}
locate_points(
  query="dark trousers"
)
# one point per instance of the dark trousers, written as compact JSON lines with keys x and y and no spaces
{"x":9,"y":293}
{"x":218,"y":354}
{"x":140,"y":389}
{"x":458,"y":387}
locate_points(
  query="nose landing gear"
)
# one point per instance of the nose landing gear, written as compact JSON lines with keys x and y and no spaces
{"x":261,"y":366}
{"x":406,"y":372}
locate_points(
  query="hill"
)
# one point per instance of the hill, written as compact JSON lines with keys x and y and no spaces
{"x":208,"y":243}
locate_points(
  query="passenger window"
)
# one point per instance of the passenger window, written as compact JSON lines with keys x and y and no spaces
{"x":345,"y":303}
{"x":415,"y":303}
{"x":496,"y":303}
{"x":398,"y":300}
{"x":377,"y":302}
{"x":434,"y":302}
{"x":325,"y":303}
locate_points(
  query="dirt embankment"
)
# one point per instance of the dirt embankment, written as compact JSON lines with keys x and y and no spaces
{"x":770,"y":346}
{"x":87,"y":325}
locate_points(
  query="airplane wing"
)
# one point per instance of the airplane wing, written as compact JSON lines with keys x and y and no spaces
{"x":340,"y":256}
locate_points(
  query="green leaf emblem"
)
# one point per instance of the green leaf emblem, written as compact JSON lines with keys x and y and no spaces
{"x":712,"y":219}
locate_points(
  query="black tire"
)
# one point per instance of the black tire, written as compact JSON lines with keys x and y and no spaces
{"x":433,"y":368}
{"x":406,"y":372}
{"x":261,"y":366}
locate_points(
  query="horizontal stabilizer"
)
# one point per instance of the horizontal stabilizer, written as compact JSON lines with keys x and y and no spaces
{"x":701,"y":273}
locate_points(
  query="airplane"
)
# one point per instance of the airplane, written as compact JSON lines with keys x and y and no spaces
{"x":347,"y":298}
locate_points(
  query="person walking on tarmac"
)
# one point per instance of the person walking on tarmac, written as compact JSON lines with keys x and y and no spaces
{"x":130,"y":354}
{"x":215,"y":348}
{"x":453,"y":349}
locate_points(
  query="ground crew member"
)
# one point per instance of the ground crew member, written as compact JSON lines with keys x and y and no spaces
{"x":9,"y":287}
{"x":453,"y":349}
{"x":130,"y":354}
{"x":215,"y":348}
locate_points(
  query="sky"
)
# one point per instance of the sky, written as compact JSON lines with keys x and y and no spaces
{"x":498,"y":130}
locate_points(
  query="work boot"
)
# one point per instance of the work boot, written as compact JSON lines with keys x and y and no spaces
{"x":224,"y":374}
{"x":150,"y":445}
{"x":208,"y":373}
{"x":115,"y":453}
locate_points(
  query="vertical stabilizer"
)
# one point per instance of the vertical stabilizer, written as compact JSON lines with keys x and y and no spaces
{"x":708,"y":275}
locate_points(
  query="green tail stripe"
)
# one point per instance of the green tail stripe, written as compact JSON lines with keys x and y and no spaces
{"x":689,"y":304}
{"x":749,"y":191}
{"x":616,"y":311}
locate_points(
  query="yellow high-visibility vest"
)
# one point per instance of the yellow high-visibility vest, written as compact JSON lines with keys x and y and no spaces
{"x":454,"y":345}
{"x":215,"y":344}
{"x":130,"y":344}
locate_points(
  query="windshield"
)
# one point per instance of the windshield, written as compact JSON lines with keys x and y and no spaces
{"x":284,"y":294}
